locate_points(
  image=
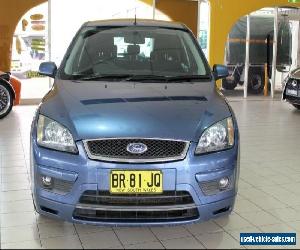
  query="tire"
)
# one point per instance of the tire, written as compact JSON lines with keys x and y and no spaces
{"x":296,"y":106}
{"x":229,"y":85}
{"x":256,"y":82}
{"x":6,"y":100}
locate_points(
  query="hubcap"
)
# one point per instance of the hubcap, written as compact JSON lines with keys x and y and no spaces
{"x":256,"y":82}
{"x":5,"y":100}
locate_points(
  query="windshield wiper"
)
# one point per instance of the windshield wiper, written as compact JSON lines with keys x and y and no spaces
{"x":137,"y":78}
{"x":188,"y":78}
{"x":168,"y":78}
{"x":101,"y":77}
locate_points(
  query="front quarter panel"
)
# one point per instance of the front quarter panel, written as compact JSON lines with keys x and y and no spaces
{"x":16,"y":84}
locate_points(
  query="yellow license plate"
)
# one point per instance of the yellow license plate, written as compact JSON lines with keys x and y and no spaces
{"x":136,"y":182}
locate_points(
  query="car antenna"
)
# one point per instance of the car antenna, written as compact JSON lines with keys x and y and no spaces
{"x":135,"y":16}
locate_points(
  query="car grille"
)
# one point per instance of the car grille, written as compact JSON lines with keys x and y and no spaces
{"x":115,"y":150}
{"x":103,"y":207}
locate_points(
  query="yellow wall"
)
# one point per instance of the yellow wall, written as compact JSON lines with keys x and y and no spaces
{"x":183,"y":11}
{"x":11,"y":12}
{"x":224,"y":14}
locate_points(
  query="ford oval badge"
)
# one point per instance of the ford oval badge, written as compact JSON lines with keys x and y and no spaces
{"x":294,"y":84}
{"x":136,"y":148}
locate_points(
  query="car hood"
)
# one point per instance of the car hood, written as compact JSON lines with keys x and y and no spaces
{"x":93,"y":110}
{"x":295,"y":73}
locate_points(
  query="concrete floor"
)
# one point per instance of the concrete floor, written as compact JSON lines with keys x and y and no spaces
{"x":268,"y":199}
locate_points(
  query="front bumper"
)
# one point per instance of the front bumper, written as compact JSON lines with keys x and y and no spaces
{"x":65,"y":212}
{"x":293,"y":99}
{"x":291,"y":93}
{"x":88,"y":175}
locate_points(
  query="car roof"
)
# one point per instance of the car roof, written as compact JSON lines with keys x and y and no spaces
{"x":139,"y":22}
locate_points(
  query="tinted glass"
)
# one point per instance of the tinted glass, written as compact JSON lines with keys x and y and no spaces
{"x":134,"y":50}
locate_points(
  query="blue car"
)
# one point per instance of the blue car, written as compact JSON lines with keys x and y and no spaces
{"x":134,"y":131}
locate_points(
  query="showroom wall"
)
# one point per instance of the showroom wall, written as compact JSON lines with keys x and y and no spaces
{"x":221,"y":21}
{"x":61,"y":35}
{"x":187,"y":15}
{"x":224,"y":14}
{"x":90,"y":10}
{"x":17,"y":8}
{"x":14,"y":10}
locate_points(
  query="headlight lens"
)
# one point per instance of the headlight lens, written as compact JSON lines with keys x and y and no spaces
{"x":285,"y":80}
{"x":218,"y":137}
{"x":51,"y":134}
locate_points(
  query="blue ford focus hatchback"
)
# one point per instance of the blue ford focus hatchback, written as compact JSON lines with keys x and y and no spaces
{"x":134,"y":131}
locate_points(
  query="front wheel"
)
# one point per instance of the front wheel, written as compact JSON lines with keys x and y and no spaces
{"x":229,"y":84}
{"x":256,"y":81}
{"x":297,"y":106}
{"x":6,"y":100}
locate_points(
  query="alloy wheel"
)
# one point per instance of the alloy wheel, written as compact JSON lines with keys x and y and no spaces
{"x":5,"y":100}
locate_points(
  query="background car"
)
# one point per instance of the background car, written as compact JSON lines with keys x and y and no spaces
{"x":291,"y":88}
{"x":10,"y":93}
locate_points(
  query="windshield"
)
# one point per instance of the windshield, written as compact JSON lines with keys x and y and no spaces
{"x":133,"y":51}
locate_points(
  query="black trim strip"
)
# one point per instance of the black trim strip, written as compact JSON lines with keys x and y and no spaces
{"x":143,"y":99}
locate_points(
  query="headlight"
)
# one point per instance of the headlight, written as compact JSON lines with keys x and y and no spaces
{"x":218,"y":137}
{"x":51,"y":134}
{"x":285,"y":81}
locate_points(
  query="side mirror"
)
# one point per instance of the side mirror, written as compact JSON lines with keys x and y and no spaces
{"x":220,"y":71}
{"x":48,"y":69}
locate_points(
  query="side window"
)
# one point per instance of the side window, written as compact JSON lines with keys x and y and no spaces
{"x":76,"y":57}
{"x":195,"y":63}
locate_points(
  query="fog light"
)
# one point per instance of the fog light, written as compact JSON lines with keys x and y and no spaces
{"x":223,"y":183}
{"x":47,"y":181}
